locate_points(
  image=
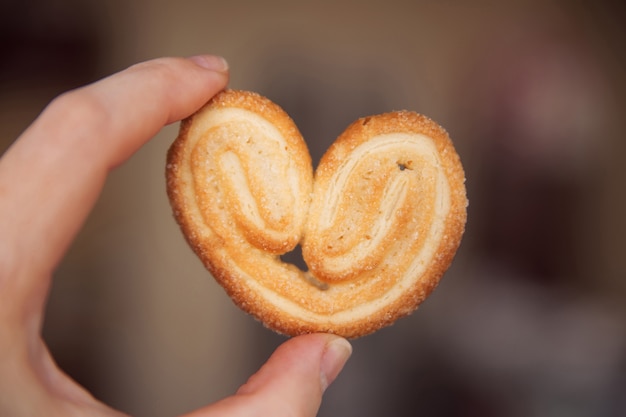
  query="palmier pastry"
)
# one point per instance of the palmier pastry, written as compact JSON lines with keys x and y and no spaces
{"x":378,"y":224}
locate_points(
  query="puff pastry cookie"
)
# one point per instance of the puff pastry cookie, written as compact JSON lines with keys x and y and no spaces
{"x":378,"y":223}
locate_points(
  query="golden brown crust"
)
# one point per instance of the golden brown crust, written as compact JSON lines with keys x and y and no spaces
{"x":379,"y":224}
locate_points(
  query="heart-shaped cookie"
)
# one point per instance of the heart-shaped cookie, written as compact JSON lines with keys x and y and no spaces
{"x":378,"y":224}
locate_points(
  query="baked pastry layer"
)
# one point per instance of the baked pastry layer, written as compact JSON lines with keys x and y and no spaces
{"x":379,"y":223}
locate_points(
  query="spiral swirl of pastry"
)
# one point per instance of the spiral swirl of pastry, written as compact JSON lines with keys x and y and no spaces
{"x":378,"y":224}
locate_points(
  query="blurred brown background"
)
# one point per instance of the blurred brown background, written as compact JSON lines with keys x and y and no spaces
{"x":531,"y":318}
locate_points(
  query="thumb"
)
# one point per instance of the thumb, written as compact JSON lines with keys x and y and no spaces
{"x":291,"y":382}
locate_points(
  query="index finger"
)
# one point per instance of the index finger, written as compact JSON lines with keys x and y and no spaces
{"x":52,"y":175}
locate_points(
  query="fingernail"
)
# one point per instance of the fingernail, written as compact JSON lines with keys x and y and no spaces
{"x":210,"y":62}
{"x":334,"y":358}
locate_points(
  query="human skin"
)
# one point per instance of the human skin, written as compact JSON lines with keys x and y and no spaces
{"x":61,"y":163}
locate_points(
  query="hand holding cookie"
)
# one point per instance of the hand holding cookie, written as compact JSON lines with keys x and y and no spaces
{"x":72,"y":146}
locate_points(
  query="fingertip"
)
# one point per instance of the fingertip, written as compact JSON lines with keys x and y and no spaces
{"x":336,"y":353}
{"x":291,"y":382}
{"x":210,"y":62}
{"x":327,"y":351}
{"x":315,"y":360}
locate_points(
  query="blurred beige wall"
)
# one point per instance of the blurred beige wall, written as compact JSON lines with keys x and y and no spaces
{"x":134,"y":315}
